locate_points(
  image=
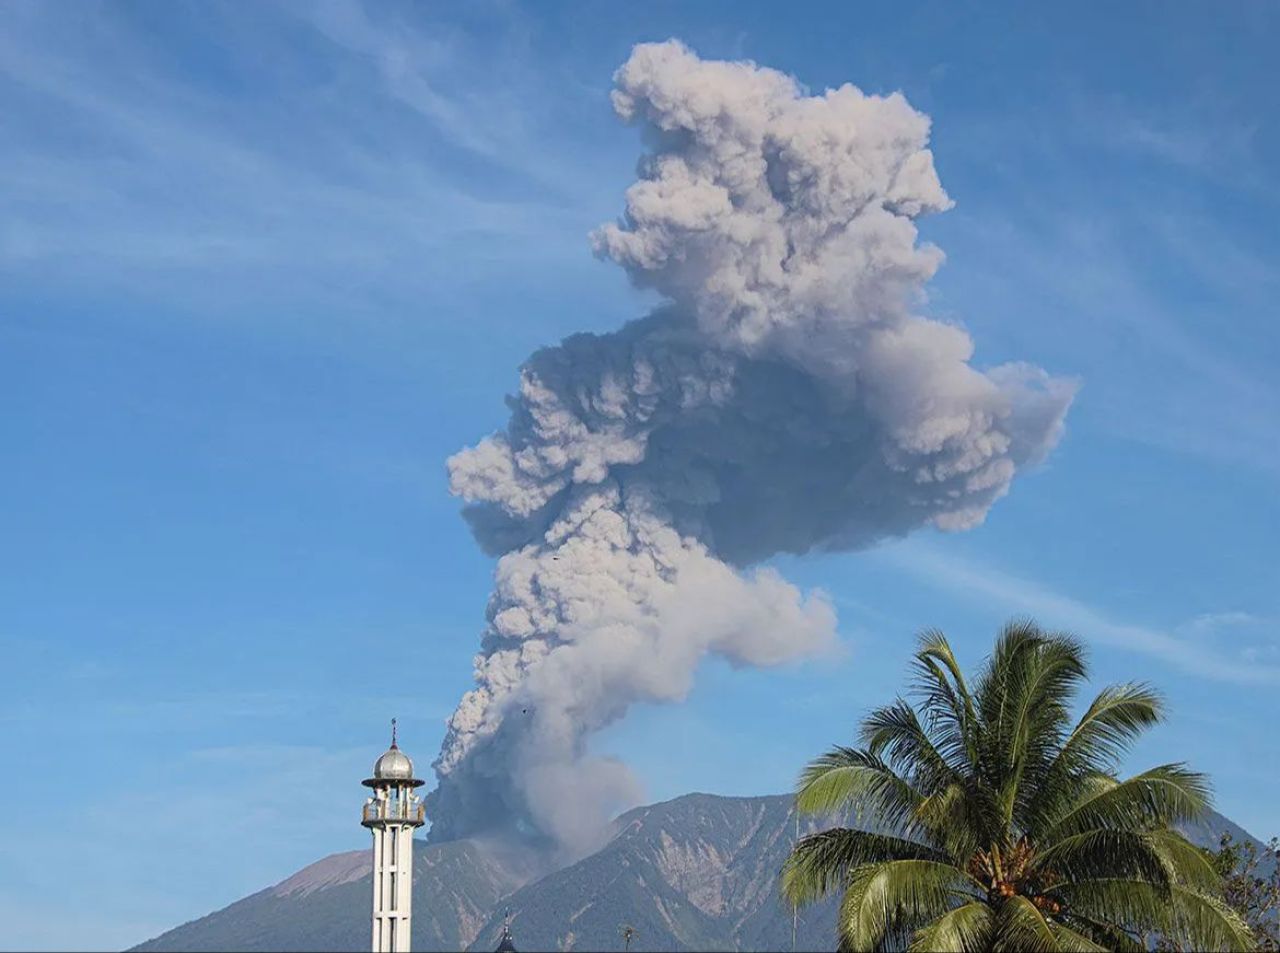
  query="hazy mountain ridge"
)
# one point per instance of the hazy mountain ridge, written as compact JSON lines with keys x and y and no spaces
{"x":694,"y":873}
{"x":325,"y":906}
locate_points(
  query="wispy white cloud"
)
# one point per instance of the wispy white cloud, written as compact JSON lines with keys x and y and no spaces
{"x":994,"y":588}
{"x":1200,"y":137}
{"x":1129,"y":240}
{"x":479,"y":112}
{"x":334,"y":177}
{"x":245,"y":817}
{"x":1209,"y":624}
{"x":1166,"y":372}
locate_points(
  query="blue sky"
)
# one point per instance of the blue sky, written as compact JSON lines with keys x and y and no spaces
{"x":264,"y":266}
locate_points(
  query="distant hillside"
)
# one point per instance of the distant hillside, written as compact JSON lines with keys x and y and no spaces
{"x":325,"y":906}
{"x":695,"y":873}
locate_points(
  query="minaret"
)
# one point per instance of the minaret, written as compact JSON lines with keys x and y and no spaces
{"x":506,"y":943}
{"x":391,"y":816}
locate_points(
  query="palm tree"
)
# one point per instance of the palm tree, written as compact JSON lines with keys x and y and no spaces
{"x":628,"y":934}
{"x":1008,"y":828}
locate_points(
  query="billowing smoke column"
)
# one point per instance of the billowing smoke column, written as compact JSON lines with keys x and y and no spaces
{"x":784,"y":399}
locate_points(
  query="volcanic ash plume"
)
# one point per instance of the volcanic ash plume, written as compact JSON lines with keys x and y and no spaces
{"x":785,"y":398}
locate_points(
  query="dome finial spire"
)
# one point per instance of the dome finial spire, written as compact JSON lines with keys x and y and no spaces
{"x":393,"y":732}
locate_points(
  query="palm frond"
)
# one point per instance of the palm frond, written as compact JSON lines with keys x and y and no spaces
{"x":1159,"y":797}
{"x":998,"y":675}
{"x":1117,"y":716}
{"x":899,"y":895}
{"x":1108,"y":855}
{"x":1020,"y":928}
{"x":1069,"y":941}
{"x":821,"y":862}
{"x":1192,"y":919}
{"x":966,"y":929}
{"x":848,"y":777}
{"x":1112,"y":723}
{"x":1035,"y":689}
{"x":1042,"y":687}
{"x":895,"y":734}
{"x":1107,"y":935}
{"x":947,"y":818}
{"x":1189,"y":865}
{"x":950,"y":714}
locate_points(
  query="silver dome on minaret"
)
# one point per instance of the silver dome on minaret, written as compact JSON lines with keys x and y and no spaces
{"x":393,"y":765}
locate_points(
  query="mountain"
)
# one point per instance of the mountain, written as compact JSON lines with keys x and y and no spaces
{"x":456,"y":887}
{"x":695,"y":873}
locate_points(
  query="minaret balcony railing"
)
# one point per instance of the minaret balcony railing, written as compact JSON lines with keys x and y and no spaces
{"x":394,"y":811}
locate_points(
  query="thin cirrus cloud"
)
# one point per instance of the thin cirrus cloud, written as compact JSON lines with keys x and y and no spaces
{"x":989,"y":586}
{"x":1150,"y":260}
{"x":1167,"y":373}
{"x":157,"y":172}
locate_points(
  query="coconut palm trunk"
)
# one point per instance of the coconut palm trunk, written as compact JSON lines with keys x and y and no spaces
{"x":1010,"y":829}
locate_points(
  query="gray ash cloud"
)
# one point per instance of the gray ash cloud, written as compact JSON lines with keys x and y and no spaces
{"x":788,"y":397}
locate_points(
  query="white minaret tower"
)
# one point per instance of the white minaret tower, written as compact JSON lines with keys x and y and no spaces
{"x":391,"y":816}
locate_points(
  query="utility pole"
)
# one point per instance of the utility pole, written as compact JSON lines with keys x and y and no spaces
{"x":795,"y":911}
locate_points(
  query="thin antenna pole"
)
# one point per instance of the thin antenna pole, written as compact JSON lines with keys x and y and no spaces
{"x":795,"y":911}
